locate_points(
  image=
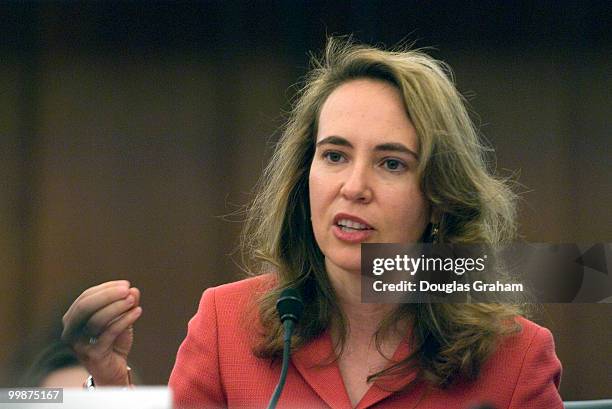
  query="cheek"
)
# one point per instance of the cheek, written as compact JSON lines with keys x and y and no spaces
{"x":317,"y":196}
{"x":322,"y":192}
{"x":407,"y":218}
{"x":320,"y":184}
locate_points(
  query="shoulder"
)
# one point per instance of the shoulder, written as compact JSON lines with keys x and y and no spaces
{"x":529,"y":328}
{"x":530,"y":339}
{"x":523,"y":372}
{"x":244,"y":287}
{"x":217,"y":349}
{"x":530,"y":336}
{"x":527,"y":364}
{"x":234,"y":306}
{"x":237,"y":294}
{"x":538,"y":350}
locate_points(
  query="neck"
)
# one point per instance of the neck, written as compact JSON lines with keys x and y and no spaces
{"x":363,"y":319}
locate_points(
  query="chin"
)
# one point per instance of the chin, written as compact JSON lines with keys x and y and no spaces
{"x":348,"y":260}
{"x":352,"y":267}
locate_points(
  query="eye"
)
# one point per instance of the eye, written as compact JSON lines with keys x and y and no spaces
{"x":394,"y":165}
{"x":333,"y":156}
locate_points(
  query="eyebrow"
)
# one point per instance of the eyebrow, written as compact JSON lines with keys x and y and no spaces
{"x":383,"y":147}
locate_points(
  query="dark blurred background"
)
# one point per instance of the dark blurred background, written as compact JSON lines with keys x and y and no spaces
{"x":128,"y":129}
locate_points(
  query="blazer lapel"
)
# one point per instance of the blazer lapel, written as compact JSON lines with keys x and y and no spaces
{"x":324,"y":378}
{"x":327,"y":382}
{"x":384,"y":388}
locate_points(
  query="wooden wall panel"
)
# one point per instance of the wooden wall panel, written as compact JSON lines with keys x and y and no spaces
{"x":546,"y":117}
{"x":11,"y":237}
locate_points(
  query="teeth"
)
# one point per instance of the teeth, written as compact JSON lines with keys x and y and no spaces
{"x":348,"y":225}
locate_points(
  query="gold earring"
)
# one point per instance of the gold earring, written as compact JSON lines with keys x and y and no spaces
{"x":435,"y":228}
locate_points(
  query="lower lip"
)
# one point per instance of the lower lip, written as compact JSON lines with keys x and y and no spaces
{"x":354,"y":236}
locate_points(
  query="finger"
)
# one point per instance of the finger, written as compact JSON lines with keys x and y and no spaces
{"x":90,"y":354}
{"x":103,"y":286}
{"x":96,"y":289}
{"x":133,"y":292}
{"x":136,"y":293}
{"x":75,"y":320}
{"x":104,"y":316}
{"x":106,"y":340}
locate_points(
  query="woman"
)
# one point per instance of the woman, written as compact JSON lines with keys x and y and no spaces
{"x":379,"y":148}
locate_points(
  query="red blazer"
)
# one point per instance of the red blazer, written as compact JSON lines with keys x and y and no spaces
{"x":216,"y":368}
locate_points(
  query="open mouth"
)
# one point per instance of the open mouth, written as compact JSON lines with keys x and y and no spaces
{"x":351,"y":226}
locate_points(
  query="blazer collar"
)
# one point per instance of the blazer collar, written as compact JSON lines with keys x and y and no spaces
{"x":326,"y":380}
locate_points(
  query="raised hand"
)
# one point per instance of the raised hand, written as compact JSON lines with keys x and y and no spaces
{"x":98,"y":325}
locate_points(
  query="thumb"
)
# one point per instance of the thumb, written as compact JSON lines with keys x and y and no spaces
{"x":120,"y":334}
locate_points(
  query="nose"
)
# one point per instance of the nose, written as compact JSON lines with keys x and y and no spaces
{"x":356,"y":187}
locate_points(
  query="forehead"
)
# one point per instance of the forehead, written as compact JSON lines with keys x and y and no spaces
{"x":367,"y":110}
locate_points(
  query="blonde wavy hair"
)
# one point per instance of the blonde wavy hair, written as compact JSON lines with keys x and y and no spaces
{"x":450,"y":340}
